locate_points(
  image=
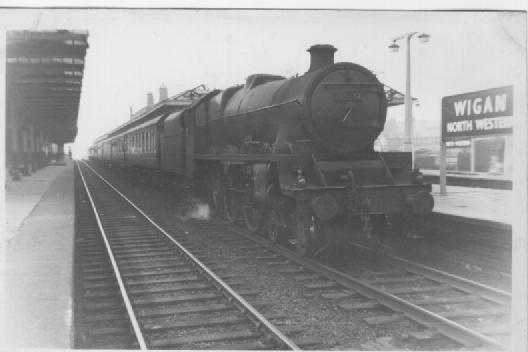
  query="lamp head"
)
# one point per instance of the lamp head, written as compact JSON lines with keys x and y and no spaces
{"x":394,"y":47}
{"x":424,"y":37}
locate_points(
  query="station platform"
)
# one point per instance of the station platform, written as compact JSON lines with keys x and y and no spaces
{"x":38,"y":265}
{"x":486,"y":204}
{"x":465,"y":179}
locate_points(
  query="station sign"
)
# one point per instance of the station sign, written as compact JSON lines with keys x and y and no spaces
{"x":480,"y":113}
{"x":458,"y":143}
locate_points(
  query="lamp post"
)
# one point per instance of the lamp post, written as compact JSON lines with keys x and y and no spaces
{"x":394,"y":47}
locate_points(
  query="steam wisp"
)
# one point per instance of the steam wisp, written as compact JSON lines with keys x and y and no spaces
{"x":195,"y":209}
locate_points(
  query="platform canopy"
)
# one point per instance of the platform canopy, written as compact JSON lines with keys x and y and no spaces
{"x":395,"y":98}
{"x":44,"y":73}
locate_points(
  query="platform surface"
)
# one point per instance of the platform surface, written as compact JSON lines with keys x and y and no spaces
{"x":39,"y":260}
{"x":475,"y":203}
{"x":430,"y":172}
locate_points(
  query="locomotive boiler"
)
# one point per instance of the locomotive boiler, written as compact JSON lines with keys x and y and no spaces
{"x":339,"y":108}
{"x":294,"y":157}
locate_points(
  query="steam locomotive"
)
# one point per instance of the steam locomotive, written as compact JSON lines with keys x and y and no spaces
{"x":292,"y":157}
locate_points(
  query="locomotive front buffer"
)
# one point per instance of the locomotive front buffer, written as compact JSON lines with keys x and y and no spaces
{"x":360,"y":200}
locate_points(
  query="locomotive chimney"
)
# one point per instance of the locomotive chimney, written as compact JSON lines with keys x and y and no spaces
{"x":321,"y":55}
{"x":163,"y":92}
{"x":150,"y":99}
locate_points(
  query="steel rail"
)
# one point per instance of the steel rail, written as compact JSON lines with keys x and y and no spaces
{"x":448,"y":328}
{"x":126,"y":299}
{"x":469,"y":286}
{"x":257,"y":318}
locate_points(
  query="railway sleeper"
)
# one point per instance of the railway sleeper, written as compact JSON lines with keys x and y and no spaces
{"x":394,"y":280}
{"x":107,"y":305}
{"x":138,"y":237}
{"x":139,"y":246}
{"x":132,"y":236}
{"x":103,"y":276}
{"x":445,"y":300}
{"x":133,"y":249}
{"x":306,"y":277}
{"x":101,"y":292}
{"x":153,"y":301}
{"x":99,"y":284}
{"x":420,"y":289}
{"x":147,"y":273}
{"x":196,"y":297}
{"x":193,"y":323}
{"x":207,"y":338}
{"x":337,"y":295}
{"x":392,"y":272}
{"x":384,"y":319}
{"x":320,"y":285}
{"x":189,"y":278}
{"x":106,"y":317}
{"x":358,"y":306}
{"x":125,"y":257}
{"x":165,"y":259}
{"x":166,"y":263}
{"x":115,"y":343}
{"x":170,"y":288}
{"x":473,"y":313}
{"x":195,"y":309}
{"x":206,"y":308}
{"x":302,"y":342}
{"x":116,"y":330}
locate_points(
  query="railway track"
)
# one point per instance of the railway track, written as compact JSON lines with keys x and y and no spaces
{"x":157,"y":294}
{"x":434,"y":299}
{"x":473,"y":315}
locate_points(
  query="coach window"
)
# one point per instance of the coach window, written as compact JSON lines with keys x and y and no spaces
{"x":148,"y":141}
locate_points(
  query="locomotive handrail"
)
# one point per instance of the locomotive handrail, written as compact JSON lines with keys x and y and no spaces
{"x":265,"y":108}
{"x":359,"y":84}
{"x":387,"y":168}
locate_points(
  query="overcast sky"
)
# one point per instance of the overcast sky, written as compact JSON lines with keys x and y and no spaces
{"x":135,"y":51}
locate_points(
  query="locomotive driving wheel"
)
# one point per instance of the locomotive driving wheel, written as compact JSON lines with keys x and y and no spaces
{"x":253,"y":217}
